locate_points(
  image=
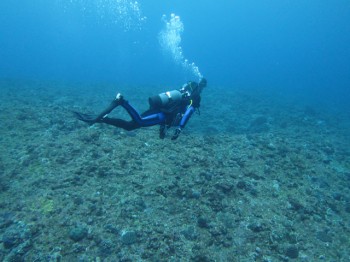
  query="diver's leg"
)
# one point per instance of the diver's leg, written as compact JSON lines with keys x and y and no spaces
{"x":116,"y":102}
{"x":131,"y":111}
{"x":127,"y":125}
{"x":145,"y":120}
{"x":154,"y":119}
{"x":92,"y":119}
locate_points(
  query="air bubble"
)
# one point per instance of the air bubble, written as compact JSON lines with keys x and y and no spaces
{"x":170,"y":41}
{"x":125,"y":13}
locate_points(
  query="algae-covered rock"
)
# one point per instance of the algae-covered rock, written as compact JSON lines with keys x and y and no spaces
{"x":78,"y":233}
{"x":292,"y":252}
{"x":128,"y":237}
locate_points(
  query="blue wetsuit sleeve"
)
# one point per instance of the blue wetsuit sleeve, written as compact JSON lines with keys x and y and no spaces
{"x":190,"y":110}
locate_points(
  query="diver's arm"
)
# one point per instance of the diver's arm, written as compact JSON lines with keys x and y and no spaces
{"x":190,"y":110}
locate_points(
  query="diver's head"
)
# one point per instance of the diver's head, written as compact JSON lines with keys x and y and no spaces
{"x":194,"y":89}
{"x":203,"y":83}
{"x":199,"y":87}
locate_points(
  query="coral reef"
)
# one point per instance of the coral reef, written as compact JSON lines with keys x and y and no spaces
{"x":256,"y":177}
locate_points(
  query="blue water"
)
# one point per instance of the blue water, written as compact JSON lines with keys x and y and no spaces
{"x":268,"y":154}
{"x":288,"y":45}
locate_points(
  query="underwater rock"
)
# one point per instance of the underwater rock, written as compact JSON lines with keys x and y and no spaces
{"x":111,"y":228}
{"x":242,"y":185}
{"x":347,"y":207}
{"x":206,"y":175}
{"x":15,"y":235}
{"x":225,"y":187}
{"x":201,"y":258}
{"x":292,"y":252}
{"x":128,"y":237}
{"x":324,"y":236}
{"x":337,"y":196}
{"x":19,"y":252}
{"x":295,"y":204}
{"x":153,"y":243}
{"x":202,"y":222}
{"x":256,"y":227}
{"x":6,"y":219}
{"x":105,"y":246}
{"x":154,"y":200}
{"x":190,"y":233}
{"x":78,"y":233}
{"x":11,"y":239}
{"x":78,"y":248}
{"x":4,"y":185}
{"x":258,"y":125}
{"x":195,"y":194}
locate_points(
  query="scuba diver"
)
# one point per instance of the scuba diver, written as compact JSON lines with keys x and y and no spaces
{"x":170,"y":109}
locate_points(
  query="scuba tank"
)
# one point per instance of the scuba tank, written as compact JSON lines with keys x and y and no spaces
{"x":167,"y":100}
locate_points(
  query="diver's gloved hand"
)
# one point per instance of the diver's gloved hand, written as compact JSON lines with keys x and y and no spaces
{"x":176,"y":133}
{"x":90,"y":119}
